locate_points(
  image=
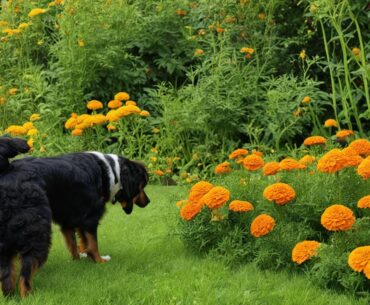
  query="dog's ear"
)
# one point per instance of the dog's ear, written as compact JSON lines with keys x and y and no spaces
{"x":9,"y":148}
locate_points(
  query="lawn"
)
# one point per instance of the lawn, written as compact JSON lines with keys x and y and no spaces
{"x":150,"y":266}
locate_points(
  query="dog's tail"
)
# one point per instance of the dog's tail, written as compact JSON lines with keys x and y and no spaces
{"x":9,"y":148}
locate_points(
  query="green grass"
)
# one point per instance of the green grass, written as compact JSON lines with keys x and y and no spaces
{"x":150,"y":266}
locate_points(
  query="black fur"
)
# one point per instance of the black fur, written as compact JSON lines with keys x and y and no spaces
{"x":72,"y":189}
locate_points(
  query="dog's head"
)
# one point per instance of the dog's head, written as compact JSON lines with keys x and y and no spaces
{"x":134,"y":178}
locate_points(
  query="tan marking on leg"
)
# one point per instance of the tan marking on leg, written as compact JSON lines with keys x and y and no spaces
{"x":93,"y":250}
{"x":70,"y":238}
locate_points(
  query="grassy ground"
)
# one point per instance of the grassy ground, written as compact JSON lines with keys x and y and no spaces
{"x":150,"y":266}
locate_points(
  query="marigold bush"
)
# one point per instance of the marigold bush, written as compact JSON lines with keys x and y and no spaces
{"x":338,"y":217}
{"x":262,"y":225}
{"x":304,"y":250}
{"x":280,"y":193}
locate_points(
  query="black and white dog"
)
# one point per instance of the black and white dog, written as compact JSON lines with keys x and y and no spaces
{"x":70,"y":189}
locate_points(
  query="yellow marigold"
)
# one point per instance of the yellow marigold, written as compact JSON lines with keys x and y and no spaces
{"x":198,"y":52}
{"x":271,"y":168}
{"x":361,"y":146}
{"x":247,"y":50}
{"x":113,"y":104}
{"x":81,"y":43}
{"x":144,"y":113}
{"x":77,"y":132}
{"x":304,"y":250}
{"x":28,"y":125}
{"x":364,"y":169}
{"x":34,"y":117}
{"x":240,"y":206}
{"x":356,"y":52}
{"x":333,"y":161}
{"x":70,"y":123}
{"x":32,"y":132}
{"x":262,"y":225}
{"x":306,"y":100}
{"x":36,"y":11}
{"x":198,"y":190}
{"x":122,"y":96}
{"x":132,"y":109}
{"x":280,"y":193}
{"x":344,"y":133}
{"x":238,"y":153}
{"x":16,"y":130}
{"x":133,"y":103}
{"x":307,"y":159}
{"x":352,"y":159}
{"x":289,"y":164}
{"x":216,"y":197}
{"x":98,"y":119}
{"x":189,"y":211}
{"x":253,"y":162}
{"x":30,"y":142}
{"x":3,"y":23}
{"x":330,"y":123}
{"x":12,"y":91}
{"x":364,"y":202}
{"x":338,"y":217}
{"x":223,"y":168}
{"x":314,"y":140}
{"x":94,"y":105}
{"x":23,"y":25}
{"x":359,"y":258}
{"x":112,"y":116}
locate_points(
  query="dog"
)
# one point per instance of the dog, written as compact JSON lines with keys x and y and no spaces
{"x":71,"y":190}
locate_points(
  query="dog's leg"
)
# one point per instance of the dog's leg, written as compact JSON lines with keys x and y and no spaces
{"x":70,"y":238}
{"x":28,"y":269}
{"x":83,"y":240}
{"x":93,"y":250}
{"x":7,"y":274}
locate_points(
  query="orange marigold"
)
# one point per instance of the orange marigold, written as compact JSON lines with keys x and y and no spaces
{"x":262,"y":225}
{"x":352,"y":157}
{"x":113,"y":104}
{"x":364,"y":202}
{"x":289,"y":164}
{"x":159,"y":172}
{"x":240,"y":206}
{"x":333,"y":161}
{"x":16,"y":130}
{"x":144,"y":113}
{"x":223,"y":168}
{"x":216,"y":197}
{"x":304,"y":250}
{"x":364,"y":169}
{"x":198,"y":190}
{"x":94,"y":105}
{"x":271,"y":168}
{"x":238,"y":153}
{"x":361,"y":146}
{"x":330,"y":123}
{"x":338,"y":217}
{"x":314,"y":140}
{"x":359,"y":258}
{"x":189,"y":211}
{"x":253,"y":162}
{"x":307,"y":159}
{"x":344,"y":133}
{"x":128,"y":103}
{"x":77,"y":132}
{"x":280,"y":193}
{"x":122,"y":96}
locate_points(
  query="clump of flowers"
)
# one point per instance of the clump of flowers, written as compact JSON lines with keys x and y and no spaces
{"x":216,"y":197}
{"x":330,"y":123}
{"x":240,"y":206}
{"x":364,"y":202}
{"x":333,"y":161}
{"x":190,"y":210}
{"x":338,"y":217}
{"x":253,"y":162}
{"x":289,"y":164}
{"x":223,"y":168}
{"x":262,"y":225}
{"x":198,"y":190}
{"x":271,"y":168}
{"x":304,"y":250}
{"x":280,"y":193}
{"x":314,"y":140}
{"x":361,"y":146}
{"x":359,"y":260}
{"x":364,"y":169}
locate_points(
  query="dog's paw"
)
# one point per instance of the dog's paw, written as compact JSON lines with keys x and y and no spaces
{"x":83,"y":255}
{"x":106,"y":258}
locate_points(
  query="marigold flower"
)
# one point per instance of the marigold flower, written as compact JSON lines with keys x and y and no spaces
{"x":307,"y":159}
{"x":289,"y":164}
{"x":240,"y":206}
{"x":367,"y":270}
{"x":131,"y":109}
{"x":253,"y":162}
{"x":158,"y":172}
{"x":98,"y":119}
{"x":28,"y":125}
{"x":344,"y":133}
{"x":330,"y":123}
{"x":189,"y":211}
{"x":23,"y":25}
{"x":144,"y":113}
{"x":12,"y":91}
{"x":271,"y":168}
{"x":122,"y":96}
{"x":77,"y":132}
{"x":94,"y":105}
{"x":112,"y":116}
{"x":30,"y":142}
{"x":16,"y":130}
{"x":113,"y":104}
{"x":338,"y":217}
{"x":304,"y":250}
{"x":280,"y":193}
{"x":333,"y":161}
{"x":198,"y":52}
{"x":364,"y":169}
{"x":216,"y":197}
{"x":240,"y":152}
{"x":246,"y":50}
{"x":198,"y":190}
{"x":359,"y":258}
{"x":34,"y":117}
{"x":36,"y":11}
{"x":262,"y":225}
{"x":32,"y":132}
{"x":81,"y":43}
{"x":314,"y":140}
{"x":353,"y":159}
{"x":356,"y":52}
{"x":70,"y":123}
{"x":223,"y":168}
{"x":306,"y":100}
{"x":364,"y":202}
{"x":361,"y":146}
{"x":128,"y":103}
